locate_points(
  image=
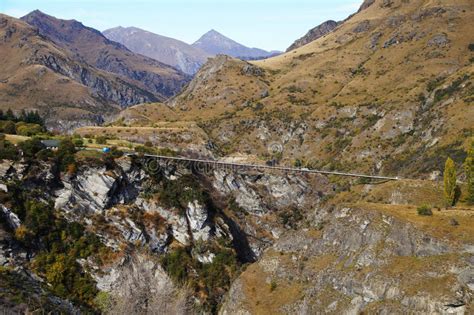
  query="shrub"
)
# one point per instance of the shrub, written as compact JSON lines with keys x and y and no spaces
{"x":178,"y":193}
{"x":31,"y":147}
{"x":471,"y":46}
{"x":25,"y":129}
{"x":65,"y":154}
{"x":7,"y":127}
{"x":7,"y":150}
{"x":78,"y":142}
{"x":424,"y":210}
{"x":101,"y":140}
{"x":176,"y":264}
{"x":273,"y":285}
{"x":291,"y":217}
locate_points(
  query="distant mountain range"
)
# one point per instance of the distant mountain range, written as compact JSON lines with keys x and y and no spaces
{"x":187,"y":58}
{"x":214,"y":43}
{"x":168,"y":50}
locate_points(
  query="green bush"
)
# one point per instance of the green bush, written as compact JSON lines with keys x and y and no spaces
{"x":7,"y":127}
{"x":291,"y":217}
{"x":25,"y":129}
{"x":7,"y":150}
{"x":469,"y":169}
{"x":178,"y":193}
{"x":424,"y":210}
{"x":31,"y":147}
{"x":101,"y":140}
{"x":177,"y":264}
{"x":78,"y":142}
{"x":58,"y":245}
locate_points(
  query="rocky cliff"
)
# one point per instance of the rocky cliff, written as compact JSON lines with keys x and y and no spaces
{"x":307,"y":242}
{"x":146,"y":212}
{"x":314,"y":34}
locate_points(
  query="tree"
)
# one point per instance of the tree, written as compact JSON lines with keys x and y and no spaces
{"x":9,"y":115}
{"x":469,"y":168}
{"x":450,"y":182}
{"x":8,"y":127}
{"x":31,"y":147}
{"x":65,"y":154}
{"x":101,"y":140}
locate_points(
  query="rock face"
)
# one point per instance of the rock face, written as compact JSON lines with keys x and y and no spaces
{"x":139,"y":285}
{"x":357,"y":262}
{"x":164,"y":49}
{"x":314,"y":34}
{"x":91,"y":191}
{"x":304,"y":254}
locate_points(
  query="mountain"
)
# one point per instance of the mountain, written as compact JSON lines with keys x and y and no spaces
{"x":38,"y":74}
{"x":89,"y":45}
{"x":314,"y":34}
{"x":385,"y":92}
{"x":214,"y":43}
{"x":164,"y":49}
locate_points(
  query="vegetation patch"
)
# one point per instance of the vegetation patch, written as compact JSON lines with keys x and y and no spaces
{"x":424,"y":210}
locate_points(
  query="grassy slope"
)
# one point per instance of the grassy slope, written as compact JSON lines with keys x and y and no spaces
{"x":357,"y":105}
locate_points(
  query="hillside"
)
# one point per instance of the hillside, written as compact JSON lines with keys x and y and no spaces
{"x":158,"y":79}
{"x":389,"y":91}
{"x":164,"y":49}
{"x":214,"y":43}
{"x":37,"y":74}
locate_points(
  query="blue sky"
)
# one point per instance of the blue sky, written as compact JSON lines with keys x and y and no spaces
{"x":267,"y":24}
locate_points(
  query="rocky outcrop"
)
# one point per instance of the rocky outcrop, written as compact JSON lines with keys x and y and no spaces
{"x":90,"y":191}
{"x":314,"y":34}
{"x":366,"y":4}
{"x":358,"y":261}
{"x":139,"y":285}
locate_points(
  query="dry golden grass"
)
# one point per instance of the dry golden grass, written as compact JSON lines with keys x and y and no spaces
{"x":337,"y":83}
{"x":262,"y":297}
{"x":438,"y":225}
{"x":15,"y":139}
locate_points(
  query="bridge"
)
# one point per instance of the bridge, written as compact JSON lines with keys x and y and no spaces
{"x":262,"y":167}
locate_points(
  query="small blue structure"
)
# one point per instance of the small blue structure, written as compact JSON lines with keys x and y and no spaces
{"x":106,"y":150}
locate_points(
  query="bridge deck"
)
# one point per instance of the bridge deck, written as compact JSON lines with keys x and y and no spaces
{"x":262,"y":167}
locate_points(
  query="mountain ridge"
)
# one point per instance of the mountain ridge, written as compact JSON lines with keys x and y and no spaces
{"x":162,"y":48}
{"x":216,"y":43}
{"x":94,"y":48}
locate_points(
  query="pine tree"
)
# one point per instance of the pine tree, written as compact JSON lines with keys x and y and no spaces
{"x":450,"y":182}
{"x":469,"y":168}
{"x":9,"y":115}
